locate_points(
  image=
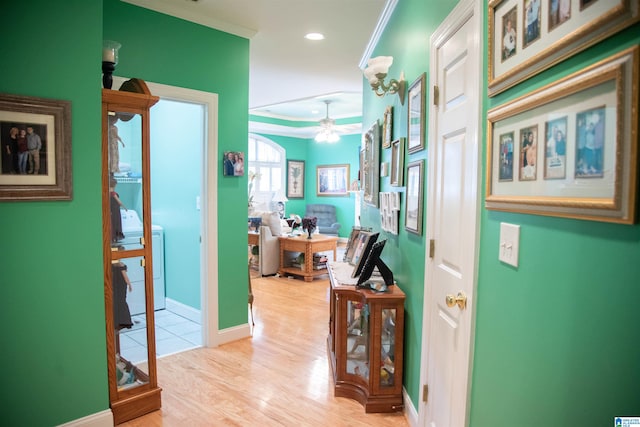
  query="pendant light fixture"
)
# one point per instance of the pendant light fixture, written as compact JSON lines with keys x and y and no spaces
{"x":327,"y":132}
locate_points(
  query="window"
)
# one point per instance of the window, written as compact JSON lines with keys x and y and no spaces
{"x":267,"y":167}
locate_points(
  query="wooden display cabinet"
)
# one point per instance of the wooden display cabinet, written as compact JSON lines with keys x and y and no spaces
{"x":133,"y":382}
{"x":365,"y":344}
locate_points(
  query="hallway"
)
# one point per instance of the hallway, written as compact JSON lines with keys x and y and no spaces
{"x":279,"y":377}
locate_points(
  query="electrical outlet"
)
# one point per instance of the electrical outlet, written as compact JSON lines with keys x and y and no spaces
{"x":509,"y":243}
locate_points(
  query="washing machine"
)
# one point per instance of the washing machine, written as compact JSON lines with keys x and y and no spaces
{"x":132,"y":230}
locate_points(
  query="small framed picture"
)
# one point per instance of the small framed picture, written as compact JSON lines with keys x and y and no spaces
{"x":413,"y":199}
{"x":295,"y":179}
{"x":416,"y":117}
{"x":233,"y":163}
{"x":397,"y":162}
{"x":387,"y":127}
{"x":333,"y":180}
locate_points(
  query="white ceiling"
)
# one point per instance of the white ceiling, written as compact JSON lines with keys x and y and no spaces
{"x":289,"y":76}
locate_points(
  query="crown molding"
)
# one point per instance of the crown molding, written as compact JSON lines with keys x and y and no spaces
{"x":389,"y":7}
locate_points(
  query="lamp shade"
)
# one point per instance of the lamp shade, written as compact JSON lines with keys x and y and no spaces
{"x":378,"y":65}
{"x":279,"y":196}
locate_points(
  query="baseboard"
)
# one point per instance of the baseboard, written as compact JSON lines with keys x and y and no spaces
{"x":99,"y":419}
{"x":409,"y":410}
{"x":233,"y":334}
{"x":183,"y":310}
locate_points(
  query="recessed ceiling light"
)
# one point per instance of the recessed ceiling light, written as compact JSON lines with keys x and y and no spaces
{"x":314,"y":36}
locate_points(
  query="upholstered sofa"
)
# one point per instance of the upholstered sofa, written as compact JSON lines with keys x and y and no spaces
{"x":327,"y":219}
{"x":268,"y":244}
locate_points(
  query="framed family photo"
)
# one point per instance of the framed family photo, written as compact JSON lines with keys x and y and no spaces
{"x":233,"y":163}
{"x":295,"y":179}
{"x":35,"y":135}
{"x":416,"y":117}
{"x":529,"y":36}
{"x":333,"y":180}
{"x":569,"y":149}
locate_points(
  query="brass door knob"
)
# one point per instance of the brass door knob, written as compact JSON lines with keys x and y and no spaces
{"x":460,"y":300}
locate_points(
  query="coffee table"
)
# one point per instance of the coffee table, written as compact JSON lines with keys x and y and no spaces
{"x":318,"y":243}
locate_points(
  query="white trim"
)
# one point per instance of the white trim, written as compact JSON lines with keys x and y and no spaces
{"x":410,"y":412}
{"x":99,"y":419}
{"x":234,"y":333}
{"x":389,"y":7}
{"x":462,"y":12}
{"x":301,"y":132}
{"x":183,"y":310}
{"x":209,"y":213}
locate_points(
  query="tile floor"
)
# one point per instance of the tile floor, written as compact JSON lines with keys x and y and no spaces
{"x":174,"y":334}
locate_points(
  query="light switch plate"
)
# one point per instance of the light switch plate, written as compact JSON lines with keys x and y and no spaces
{"x":509,"y":243}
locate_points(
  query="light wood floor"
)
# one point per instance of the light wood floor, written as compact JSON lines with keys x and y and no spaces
{"x":278,"y":377}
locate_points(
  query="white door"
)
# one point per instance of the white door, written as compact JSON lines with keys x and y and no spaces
{"x":452,"y":217}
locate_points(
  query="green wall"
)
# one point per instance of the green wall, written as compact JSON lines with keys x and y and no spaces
{"x":51,"y":293}
{"x":556,"y":338}
{"x":406,"y":38}
{"x":52,"y":297}
{"x":344,"y":151}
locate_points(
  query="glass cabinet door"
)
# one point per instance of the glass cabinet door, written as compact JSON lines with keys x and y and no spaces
{"x":357,"y":350}
{"x":388,"y":348}
{"x":131,"y":338}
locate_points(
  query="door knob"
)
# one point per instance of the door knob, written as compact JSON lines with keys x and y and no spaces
{"x":460,"y":300}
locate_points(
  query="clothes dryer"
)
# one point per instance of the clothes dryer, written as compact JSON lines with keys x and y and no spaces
{"x":133,"y":231}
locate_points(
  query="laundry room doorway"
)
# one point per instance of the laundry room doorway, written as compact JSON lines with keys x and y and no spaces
{"x":183,"y":168}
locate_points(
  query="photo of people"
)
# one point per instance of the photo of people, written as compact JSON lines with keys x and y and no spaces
{"x":23,"y":148}
{"x":590,"y":131}
{"x":233,"y":163}
{"x":531,"y":22}
{"x":559,"y":12}
{"x":528,"y":153}
{"x":506,"y":157}
{"x":509,"y":34}
{"x":555,"y":149}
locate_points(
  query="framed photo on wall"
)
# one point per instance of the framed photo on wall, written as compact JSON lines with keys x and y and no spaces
{"x":36,"y":148}
{"x":529,"y":36}
{"x":332,"y":180}
{"x":414,"y":197}
{"x":387,"y":127}
{"x":397,"y":162}
{"x":416,"y":118}
{"x":370,"y":164}
{"x":577,"y":148}
{"x":233,"y":163}
{"x":295,"y":179}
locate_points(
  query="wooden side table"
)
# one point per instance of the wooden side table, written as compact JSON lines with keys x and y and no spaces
{"x":318,"y":243}
{"x":254,"y":238}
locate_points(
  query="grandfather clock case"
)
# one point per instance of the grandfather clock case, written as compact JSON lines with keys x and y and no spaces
{"x":133,"y":382}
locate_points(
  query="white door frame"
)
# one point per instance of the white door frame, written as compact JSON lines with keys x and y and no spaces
{"x":209,"y":209}
{"x":465,"y":10}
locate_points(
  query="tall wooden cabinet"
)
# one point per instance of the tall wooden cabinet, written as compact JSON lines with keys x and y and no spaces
{"x":365,"y":344}
{"x":133,"y":382}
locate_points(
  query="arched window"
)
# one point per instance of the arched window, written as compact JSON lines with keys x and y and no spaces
{"x":266,"y":171}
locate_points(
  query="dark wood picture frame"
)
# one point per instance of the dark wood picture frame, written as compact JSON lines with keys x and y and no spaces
{"x":50,"y":119}
{"x":295,"y":179}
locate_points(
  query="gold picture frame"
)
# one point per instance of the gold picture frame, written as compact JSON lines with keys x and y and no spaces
{"x":574,"y":146}
{"x":529,"y":36}
{"x":43,"y":173}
